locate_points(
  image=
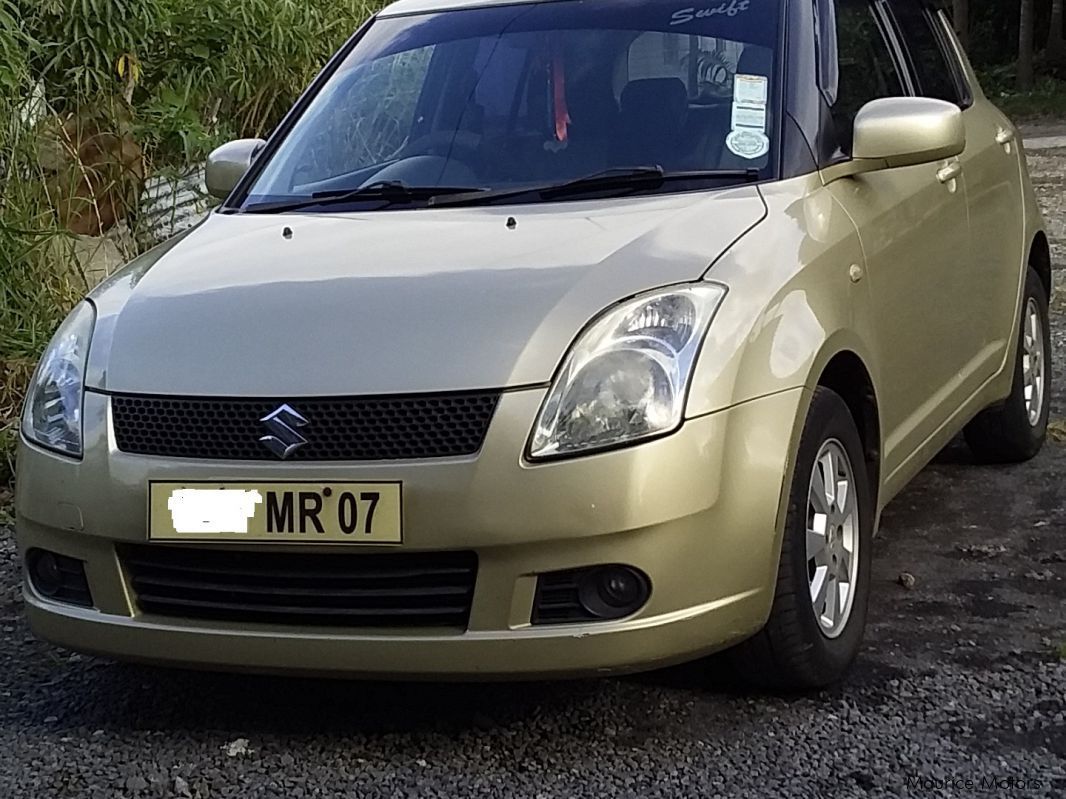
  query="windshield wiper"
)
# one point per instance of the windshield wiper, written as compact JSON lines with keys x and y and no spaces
{"x":387,"y":191}
{"x":622,"y":178}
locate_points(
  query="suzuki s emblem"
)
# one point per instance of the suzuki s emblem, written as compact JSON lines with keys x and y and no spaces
{"x":283,"y":439}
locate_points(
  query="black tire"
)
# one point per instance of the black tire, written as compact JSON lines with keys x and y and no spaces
{"x":1004,"y":432}
{"x":792,"y":652}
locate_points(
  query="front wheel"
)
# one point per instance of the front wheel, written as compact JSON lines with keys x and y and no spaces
{"x":1015,"y":430}
{"x":823,"y":578}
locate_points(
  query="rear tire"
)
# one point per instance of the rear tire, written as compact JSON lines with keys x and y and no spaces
{"x":1015,"y":430}
{"x":803,"y":644}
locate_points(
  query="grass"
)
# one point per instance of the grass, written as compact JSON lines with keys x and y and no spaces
{"x":14,"y":376}
{"x":1046,"y":101}
{"x":1037,"y":106}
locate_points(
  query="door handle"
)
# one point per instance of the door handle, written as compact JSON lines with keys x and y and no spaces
{"x":1005,"y":136}
{"x":950,"y":172}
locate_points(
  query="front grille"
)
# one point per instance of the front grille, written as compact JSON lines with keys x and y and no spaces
{"x":337,"y":429}
{"x":339,"y":590}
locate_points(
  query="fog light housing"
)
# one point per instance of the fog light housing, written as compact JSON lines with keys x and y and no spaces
{"x":46,"y":574}
{"x":58,"y":577}
{"x":613,"y":591}
{"x":596,"y":593}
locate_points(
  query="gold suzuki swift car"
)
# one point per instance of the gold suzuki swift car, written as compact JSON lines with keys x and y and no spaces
{"x":547,"y":338}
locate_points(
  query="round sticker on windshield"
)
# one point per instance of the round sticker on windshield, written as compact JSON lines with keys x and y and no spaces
{"x":748,"y":143}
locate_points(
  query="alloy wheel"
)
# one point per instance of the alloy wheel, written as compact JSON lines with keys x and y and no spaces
{"x":1033,"y":371}
{"x":832,"y":538}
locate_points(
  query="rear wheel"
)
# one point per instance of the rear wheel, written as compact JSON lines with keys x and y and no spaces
{"x":1015,"y":430}
{"x":823,"y":578}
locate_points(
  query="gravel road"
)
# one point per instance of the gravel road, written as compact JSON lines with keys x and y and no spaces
{"x":960,"y":683}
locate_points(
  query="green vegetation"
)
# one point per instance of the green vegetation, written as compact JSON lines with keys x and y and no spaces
{"x":1019,"y":50}
{"x":1045,"y":101}
{"x":95,"y":95}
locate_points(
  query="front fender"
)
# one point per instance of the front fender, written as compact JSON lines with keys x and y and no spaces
{"x":796,"y":298}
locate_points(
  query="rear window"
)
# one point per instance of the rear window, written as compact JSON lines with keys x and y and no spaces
{"x":866,"y":66}
{"x":937,"y":72}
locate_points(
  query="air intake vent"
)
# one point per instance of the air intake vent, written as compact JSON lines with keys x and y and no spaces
{"x":557,"y":600}
{"x":340,"y":590}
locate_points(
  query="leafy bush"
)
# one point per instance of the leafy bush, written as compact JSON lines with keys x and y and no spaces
{"x":14,"y":45}
{"x":94,"y":95}
{"x":81,"y":40}
{"x":184,"y":65}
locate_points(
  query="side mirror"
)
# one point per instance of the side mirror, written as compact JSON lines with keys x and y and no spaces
{"x":227,"y":164}
{"x":903,"y":131}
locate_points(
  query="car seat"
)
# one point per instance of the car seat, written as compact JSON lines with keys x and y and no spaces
{"x":651,"y":123}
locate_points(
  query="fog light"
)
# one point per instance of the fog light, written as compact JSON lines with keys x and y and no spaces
{"x":594,"y":593}
{"x":58,"y":577}
{"x":46,"y":575}
{"x":611,"y":592}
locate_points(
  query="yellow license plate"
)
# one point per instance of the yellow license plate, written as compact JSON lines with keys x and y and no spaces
{"x":349,"y":513}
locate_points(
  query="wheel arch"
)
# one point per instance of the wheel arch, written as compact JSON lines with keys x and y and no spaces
{"x":1040,"y":259}
{"x":846,"y":374}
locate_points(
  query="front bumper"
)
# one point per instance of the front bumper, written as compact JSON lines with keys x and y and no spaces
{"x":698,"y":511}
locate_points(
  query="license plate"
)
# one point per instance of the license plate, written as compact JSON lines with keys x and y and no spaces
{"x":348,"y":513}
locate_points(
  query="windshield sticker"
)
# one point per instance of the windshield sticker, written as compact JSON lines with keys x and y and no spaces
{"x":748,"y":143}
{"x":749,"y":116}
{"x":751,"y":89}
{"x":748,"y":138}
{"x":727,"y":9}
{"x":750,"y":93}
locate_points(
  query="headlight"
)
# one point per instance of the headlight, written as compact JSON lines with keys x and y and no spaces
{"x":626,"y":377}
{"x":52,"y":415}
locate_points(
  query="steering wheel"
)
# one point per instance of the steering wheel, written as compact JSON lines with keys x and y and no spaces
{"x":462,"y":145}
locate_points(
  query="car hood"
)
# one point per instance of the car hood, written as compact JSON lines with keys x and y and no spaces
{"x":394,"y":302}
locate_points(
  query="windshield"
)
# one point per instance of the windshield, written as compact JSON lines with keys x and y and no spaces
{"x":500,"y":97}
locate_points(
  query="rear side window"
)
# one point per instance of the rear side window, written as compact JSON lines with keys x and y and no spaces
{"x":938,"y":73}
{"x":867,"y":69}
